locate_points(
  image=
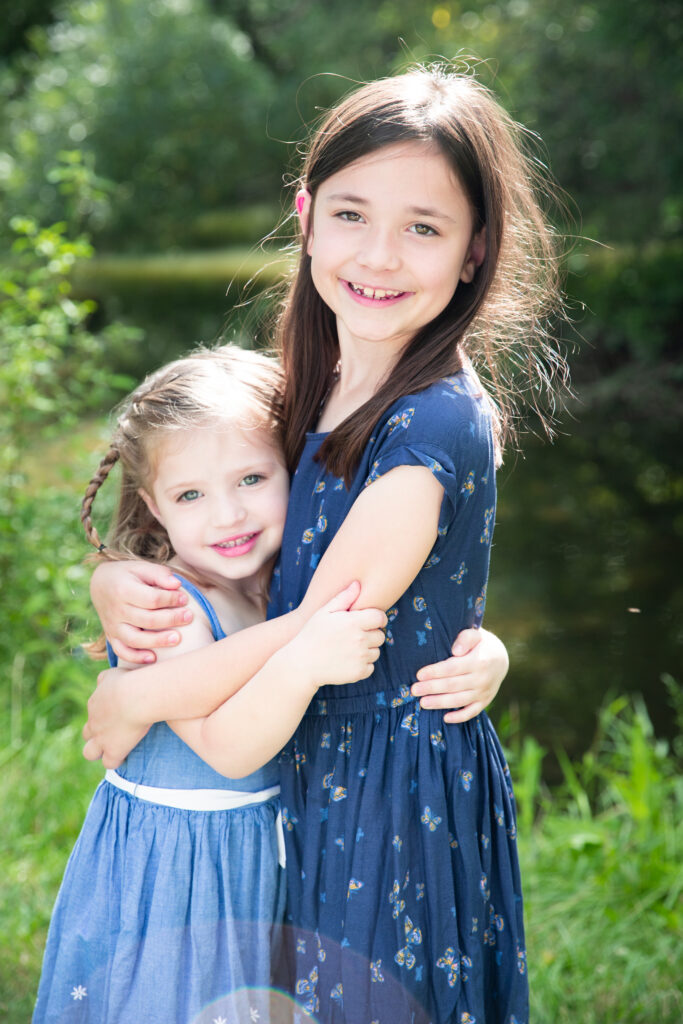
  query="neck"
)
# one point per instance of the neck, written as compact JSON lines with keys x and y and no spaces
{"x":363,"y":368}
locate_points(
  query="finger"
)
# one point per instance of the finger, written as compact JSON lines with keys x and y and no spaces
{"x":466,"y":641}
{"x":465,"y":714}
{"x":371,"y":618}
{"x":342,"y":601}
{"x":134,"y":654}
{"x":145,"y":597}
{"x":92,"y":751}
{"x":155,"y":619}
{"x":375,"y":637}
{"x":147,"y":639}
{"x":156,"y":575}
{"x":86,"y":731}
{"x":448,"y":701}
{"x":452,"y":668}
{"x":451,"y":687}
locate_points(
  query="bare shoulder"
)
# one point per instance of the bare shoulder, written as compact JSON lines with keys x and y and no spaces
{"x":234,"y":610}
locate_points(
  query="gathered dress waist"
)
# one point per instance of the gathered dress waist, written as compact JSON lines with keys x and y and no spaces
{"x":192,"y":799}
{"x":202,"y":800}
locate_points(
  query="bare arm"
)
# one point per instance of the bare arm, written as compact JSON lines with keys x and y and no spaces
{"x":334,"y":647}
{"x":399,"y":511}
{"x":184,"y":685}
{"x":255,"y":723}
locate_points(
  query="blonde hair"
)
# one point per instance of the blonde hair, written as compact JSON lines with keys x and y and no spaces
{"x":219,"y":387}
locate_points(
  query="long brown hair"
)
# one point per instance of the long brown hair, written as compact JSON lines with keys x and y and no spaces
{"x":220,"y":387}
{"x":499,"y":322}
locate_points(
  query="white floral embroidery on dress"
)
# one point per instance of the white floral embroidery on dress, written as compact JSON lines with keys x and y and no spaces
{"x":79,"y":992}
{"x":219,"y":1020}
{"x":254,"y":1015}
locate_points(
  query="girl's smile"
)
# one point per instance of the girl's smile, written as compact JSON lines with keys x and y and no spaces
{"x":222,"y":497}
{"x":371,"y":296}
{"x":391,"y":236}
{"x":236,"y":546}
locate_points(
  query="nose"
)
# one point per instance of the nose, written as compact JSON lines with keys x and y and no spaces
{"x":379,"y":250}
{"x":229,"y":510}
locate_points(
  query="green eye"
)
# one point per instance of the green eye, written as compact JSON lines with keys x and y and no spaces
{"x":189,"y":496}
{"x":251,"y":479}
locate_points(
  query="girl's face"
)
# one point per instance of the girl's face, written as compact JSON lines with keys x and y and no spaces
{"x":392,"y":235}
{"x":222,"y":497}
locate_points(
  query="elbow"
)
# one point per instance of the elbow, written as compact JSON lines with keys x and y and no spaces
{"x":225,"y":756}
{"x":235,"y":767}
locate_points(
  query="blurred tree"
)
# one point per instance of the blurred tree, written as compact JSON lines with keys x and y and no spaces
{"x":17,"y":21}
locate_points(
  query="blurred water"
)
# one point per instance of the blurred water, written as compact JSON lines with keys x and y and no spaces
{"x":586,"y":585}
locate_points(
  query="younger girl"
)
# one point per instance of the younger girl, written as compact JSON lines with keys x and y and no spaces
{"x":173,"y":888}
{"x":424,"y":251}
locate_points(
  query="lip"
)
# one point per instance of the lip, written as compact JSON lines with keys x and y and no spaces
{"x":365,"y":300}
{"x":240,"y":544}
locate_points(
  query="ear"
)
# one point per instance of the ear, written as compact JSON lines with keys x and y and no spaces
{"x":474,"y":256}
{"x":151,"y":504}
{"x":303,"y":209}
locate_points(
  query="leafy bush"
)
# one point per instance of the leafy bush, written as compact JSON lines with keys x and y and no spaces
{"x":52,"y":373}
{"x":602,"y":875}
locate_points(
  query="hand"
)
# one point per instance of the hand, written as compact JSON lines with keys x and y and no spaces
{"x":139,"y":603}
{"x":110,"y":733}
{"x":468,"y":681}
{"x":338,"y":646}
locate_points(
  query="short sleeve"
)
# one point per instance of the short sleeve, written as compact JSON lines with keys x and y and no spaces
{"x":435,"y":460}
{"x":444,"y":429}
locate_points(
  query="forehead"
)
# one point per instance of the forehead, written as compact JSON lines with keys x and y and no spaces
{"x":411,"y":170}
{"x":212,"y":445}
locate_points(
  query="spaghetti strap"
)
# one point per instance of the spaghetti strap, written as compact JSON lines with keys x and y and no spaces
{"x":216,"y":629}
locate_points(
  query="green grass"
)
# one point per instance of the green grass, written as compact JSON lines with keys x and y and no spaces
{"x":603,"y":878}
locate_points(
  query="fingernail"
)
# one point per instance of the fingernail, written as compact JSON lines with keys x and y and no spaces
{"x":458,"y":649}
{"x":173,"y":638}
{"x":187,"y":616}
{"x":148,"y":659}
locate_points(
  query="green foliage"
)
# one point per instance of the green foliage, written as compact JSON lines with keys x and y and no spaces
{"x":601,"y":84}
{"x":633,"y":297}
{"x":51,"y":364}
{"x":602,"y":875}
{"x":52,"y":371}
{"x":46,"y":788}
{"x":165,"y":96}
{"x":183,"y":103}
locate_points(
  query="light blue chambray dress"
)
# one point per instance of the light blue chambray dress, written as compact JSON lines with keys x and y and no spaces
{"x":164,"y":914}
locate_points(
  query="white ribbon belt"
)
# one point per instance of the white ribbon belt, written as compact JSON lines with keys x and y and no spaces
{"x":202,"y":800}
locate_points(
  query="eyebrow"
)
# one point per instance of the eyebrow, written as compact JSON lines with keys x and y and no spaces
{"x":418,"y":211}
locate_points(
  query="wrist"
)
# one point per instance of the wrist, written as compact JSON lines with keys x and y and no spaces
{"x":296,"y":671}
{"x":130,"y":699}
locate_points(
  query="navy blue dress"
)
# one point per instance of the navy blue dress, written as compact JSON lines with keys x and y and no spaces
{"x":403,"y":892}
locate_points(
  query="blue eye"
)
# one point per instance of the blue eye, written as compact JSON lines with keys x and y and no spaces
{"x":252,"y":478}
{"x":189,"y":496}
